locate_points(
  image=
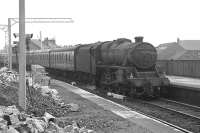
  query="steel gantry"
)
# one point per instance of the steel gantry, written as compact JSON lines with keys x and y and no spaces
{"x":13,"y":21}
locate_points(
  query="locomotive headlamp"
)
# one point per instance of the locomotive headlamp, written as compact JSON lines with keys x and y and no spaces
{"x":130,"y":76}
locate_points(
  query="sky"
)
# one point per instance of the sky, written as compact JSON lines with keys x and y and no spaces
{"x":158,"y":21}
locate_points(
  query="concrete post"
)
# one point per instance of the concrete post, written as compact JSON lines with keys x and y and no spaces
{"x":22,"y":55}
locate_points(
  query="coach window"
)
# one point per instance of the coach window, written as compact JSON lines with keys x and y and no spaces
{"x":56,"y":57}
{"x":62,"y":58}
{"x":51,"y":57}
{"x":45,"y":58}
{"x":67,"y":57}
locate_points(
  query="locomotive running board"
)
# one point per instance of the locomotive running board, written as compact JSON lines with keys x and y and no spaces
{"x":115,"y":67}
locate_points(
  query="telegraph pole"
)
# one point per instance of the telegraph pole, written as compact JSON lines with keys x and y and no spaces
{"x":41,"y":46}
{"x":9,"y":45}
{"x":22,"y":56}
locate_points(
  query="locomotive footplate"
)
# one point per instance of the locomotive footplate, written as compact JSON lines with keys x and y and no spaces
{"x":153,"y":82}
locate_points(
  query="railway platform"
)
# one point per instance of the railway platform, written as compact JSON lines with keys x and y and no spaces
{"x":188,"y":82}
{"x":184,"y":89}
{"x":137,"y":123}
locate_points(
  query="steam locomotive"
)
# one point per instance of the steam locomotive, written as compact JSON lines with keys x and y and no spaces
{"x":119,"y":66}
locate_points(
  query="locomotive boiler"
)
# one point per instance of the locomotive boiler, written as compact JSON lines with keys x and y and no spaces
{"x":123,"y":52}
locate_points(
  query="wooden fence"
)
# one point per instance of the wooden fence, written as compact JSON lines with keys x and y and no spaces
{"x":187,"y":68}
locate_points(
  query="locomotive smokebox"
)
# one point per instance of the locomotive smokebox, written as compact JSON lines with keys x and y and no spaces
{"x":122,"y":52}
{"x":139,"y":39}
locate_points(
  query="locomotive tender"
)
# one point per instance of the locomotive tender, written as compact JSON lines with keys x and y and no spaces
{"x":120,"y":66}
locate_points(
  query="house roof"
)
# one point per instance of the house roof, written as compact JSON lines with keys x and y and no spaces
{"x":47,"y":45}
{"x":190,"y":44}
{"x":168,"y":51}
{"x":175,"y":50}
{"x":36,"y":42}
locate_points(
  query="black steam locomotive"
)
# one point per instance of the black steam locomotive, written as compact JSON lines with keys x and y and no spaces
{"x":120,"y":66}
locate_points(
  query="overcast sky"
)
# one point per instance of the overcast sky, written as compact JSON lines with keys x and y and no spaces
{"x":159,"y":21}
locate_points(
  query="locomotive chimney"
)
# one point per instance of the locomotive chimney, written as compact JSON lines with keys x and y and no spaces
{"x":138,"y":39}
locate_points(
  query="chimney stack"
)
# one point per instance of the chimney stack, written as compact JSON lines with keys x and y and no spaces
{"x":178,"y":40}
{"x":138,"y":39}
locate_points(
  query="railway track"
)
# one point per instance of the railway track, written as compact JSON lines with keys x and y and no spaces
{"x":183,"y":109}
{"x":181,"y":115}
